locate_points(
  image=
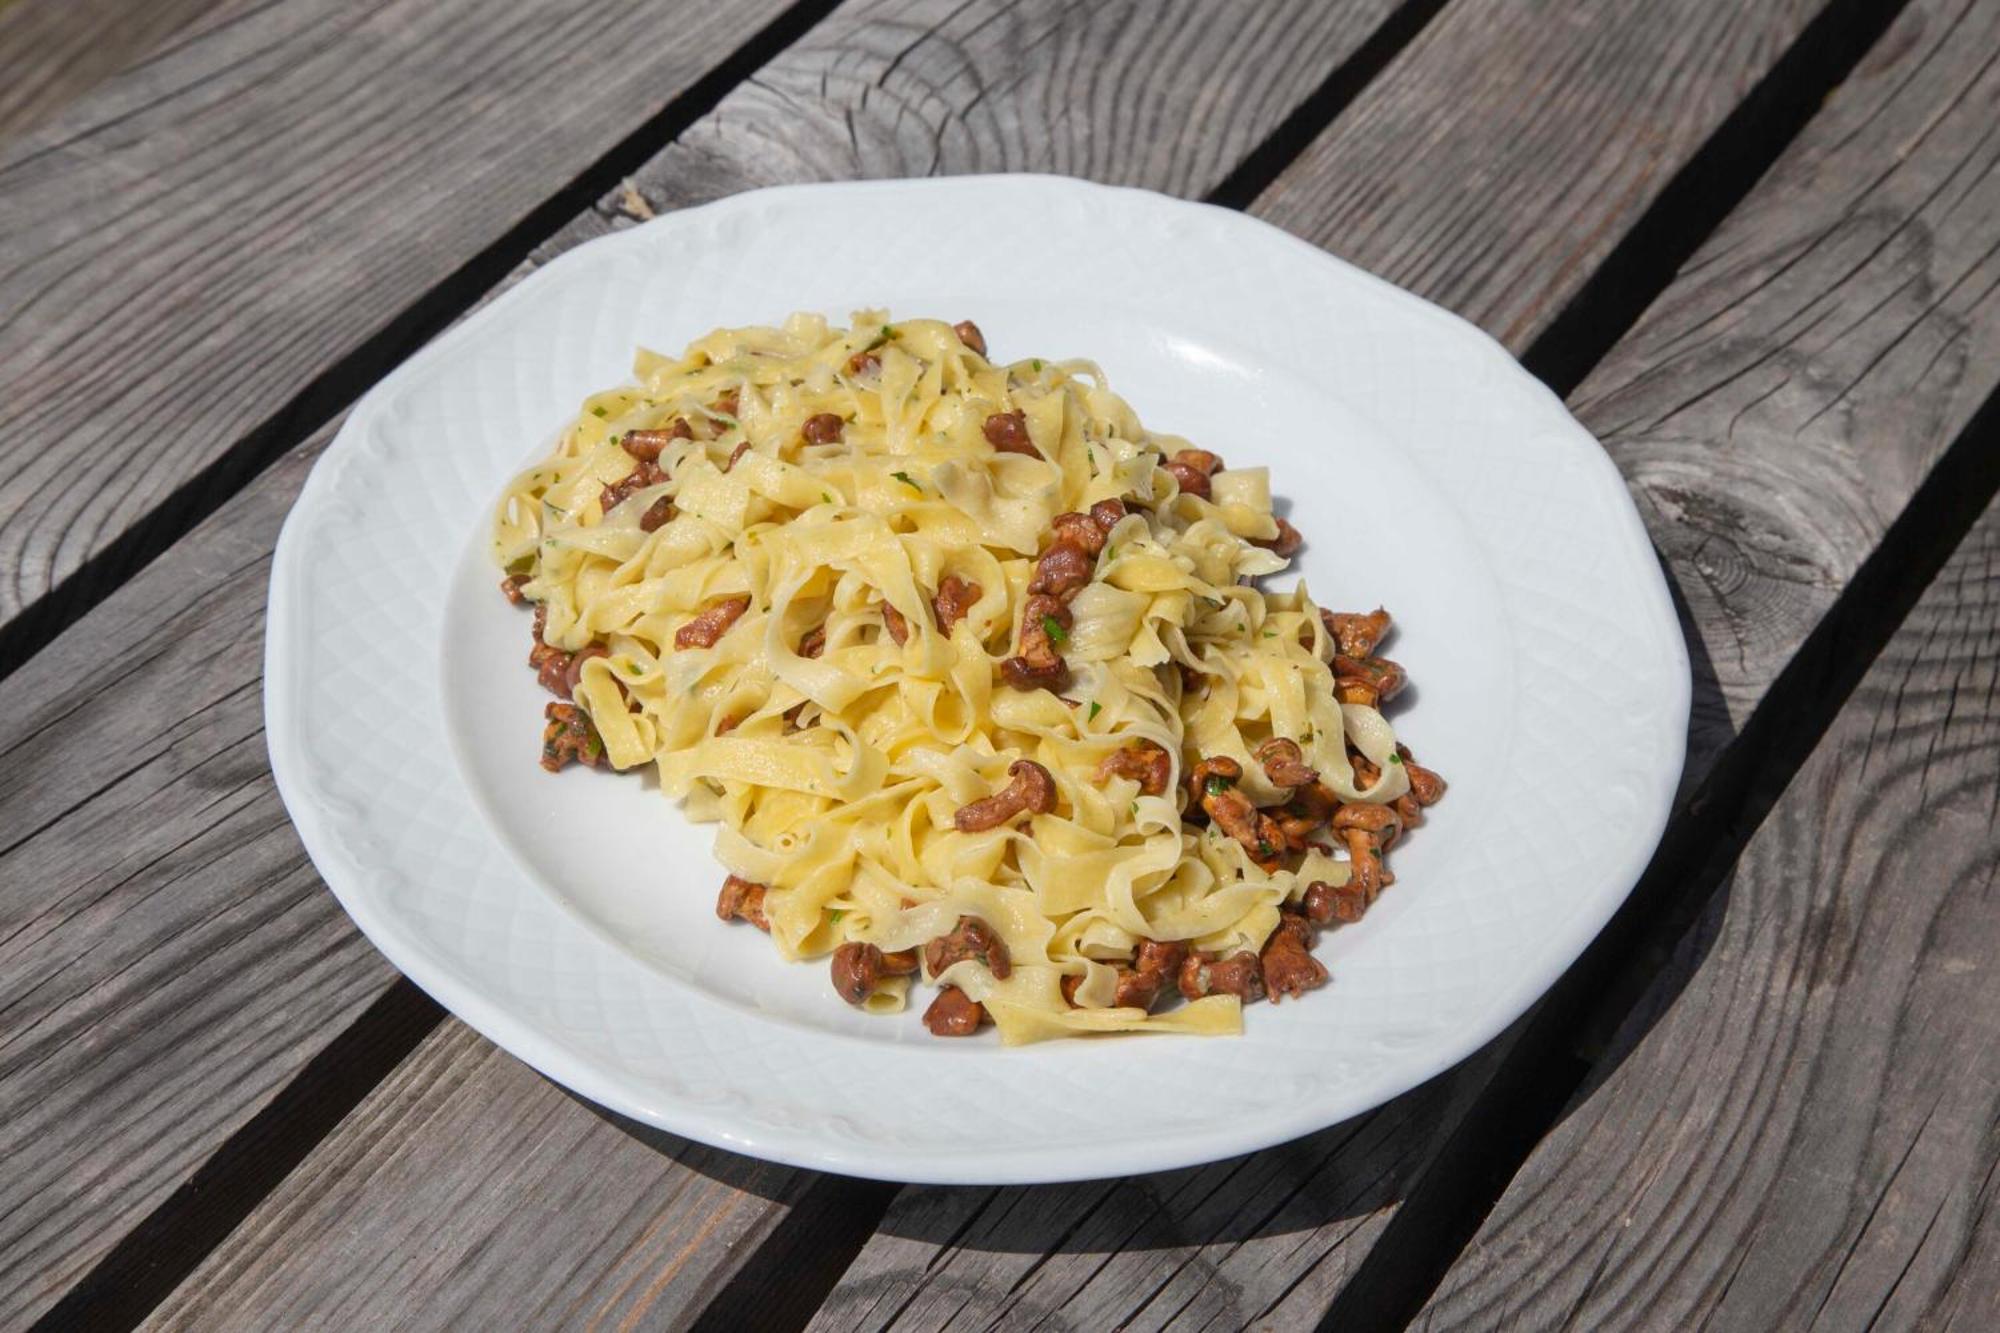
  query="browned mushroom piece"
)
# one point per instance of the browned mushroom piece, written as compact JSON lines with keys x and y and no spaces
{"x":657,"y":514}
{"x":859,"y":968}
{"x":1284,"y":763}
{"x":1201,"y":460}
{"x":862,"y":363}
{"x":824,"y":428}
{"x":638,"y":479}
{"x":1233,"y":812}
{"x":1215,"y":774}
{"x":1064,"y":568}
{"x":899,"y":628}
{"x":742,"y":448}
{"x":1366,"y":680}
{"x":1286,"y":543}
{"x":1039,"y":663}
{"x":569,"y":736}
{"x":1356,"y":635}
{"x":727,"y":404}
{"x":1033,"y":789}
{"x":954,"y":1014}
{"x":510,"y":588}
{"x":711,"y":623}
{"x":1204,"y":974}
{"x":1364,"y":874}
{"x":551,"y":663}
{"x":969,"y":334}
{"x":1366,"y":774}
{"x":1287,"y":962}
{"x":1142,"y":761}
{"x":970,"y":938}
{"x":1079,"y":530}
{"x":1318,"y":902}
{"x":742,"y":900}
{"x":1425,"y":785}
{"x":1380,"y":820}
{"x":573,"y":669}
{"x":1162,"y":957}
{"x":1192,"y":481}
{"x":1106,"y":513}
{"x":1311,"y":806}
{"x":647,"y":445}
{"x":1008,"y":433}
{"x":1026,"y":674}
{"x":814,"y":643}
{"x":1135,"y":989}
{"x":954,"y":598}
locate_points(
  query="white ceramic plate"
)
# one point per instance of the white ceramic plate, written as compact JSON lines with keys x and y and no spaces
{"x":1427,"y":470}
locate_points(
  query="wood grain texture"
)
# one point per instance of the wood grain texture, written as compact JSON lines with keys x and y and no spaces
{"x":93,"y":927}
{"x":53,"y":51}
{"x":190,"y":247}
{"x":1170,"y":96}
{"x":1787,"y":393}
{"x":1494,"y":165}
{"x":168,"y":959}
{"x":1797,"y":1130}
{"x":436,"y":1189}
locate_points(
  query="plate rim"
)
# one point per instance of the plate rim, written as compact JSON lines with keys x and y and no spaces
{"x":1162,"y":1149}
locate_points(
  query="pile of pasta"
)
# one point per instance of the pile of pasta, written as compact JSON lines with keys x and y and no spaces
{"x":972,"y":670}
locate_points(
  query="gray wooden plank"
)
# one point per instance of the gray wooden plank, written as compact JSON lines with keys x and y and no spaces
{"x":97,"y":920}
{"x":195,"y":243}
{"x":53,"y":51}
{"x":450,"y":1228}
{"x":1796,"y":1129}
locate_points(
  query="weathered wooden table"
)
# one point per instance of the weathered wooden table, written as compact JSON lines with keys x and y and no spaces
{"x":1756,"y":243}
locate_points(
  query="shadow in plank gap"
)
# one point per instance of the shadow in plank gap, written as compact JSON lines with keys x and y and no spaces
{"x":1805,"y":1137}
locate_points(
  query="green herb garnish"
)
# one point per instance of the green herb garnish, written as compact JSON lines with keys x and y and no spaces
{"x":1053,"y":628}
{"x":599,"y":412}
{"x":904,"y":477}
{"x":1095,"y":708}
{"x":1395,"y":759}
{"x":1038,"y":365}
{"x":1217,"y":785}
{"x":834,"y":917}
{"x":825,"y":498}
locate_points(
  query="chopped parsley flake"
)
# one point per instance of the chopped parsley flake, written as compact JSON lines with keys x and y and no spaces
{"x":1053,"y":628}
{"x":825,"y":498}
{"x":1217,"y":785}
{"x":834,"y":917}
{"x":599,"y":412}
{"x":1095,"y":708}
{"x":1270,"y":634}
{"x":1038,"y":365}
{"x":904,"y":477}
{"x":1395,"y":759}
